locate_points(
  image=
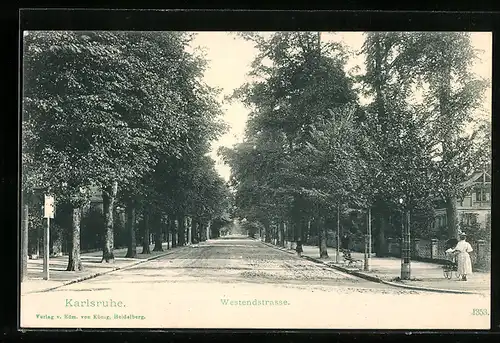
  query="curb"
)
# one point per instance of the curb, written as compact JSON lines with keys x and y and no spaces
{"x":276,"y":247}
{"x":374,"y":278}
{"x":94,"y":275}
{"x":428,"y":289}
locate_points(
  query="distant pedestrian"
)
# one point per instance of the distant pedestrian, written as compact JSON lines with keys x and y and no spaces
{"x":346,"y":241}
{"x":464,"y":264}
{"x":345,"y":244}
{"x":299,"y":249}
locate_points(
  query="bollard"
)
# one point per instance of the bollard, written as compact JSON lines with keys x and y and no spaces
{"x":434,"y":248}
{"x":416,"y":248}
{"x":389,"y":246}
{"x":481,"y":252}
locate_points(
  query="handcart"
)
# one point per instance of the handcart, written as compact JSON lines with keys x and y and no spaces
{"x":450,"y":268}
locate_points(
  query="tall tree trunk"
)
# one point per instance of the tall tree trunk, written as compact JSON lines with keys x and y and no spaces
{"x":337,"y":235}
{"x":287,"y":232}
{"x":273,"y":233}
{"x":282,"y":233}
{"x":109,"y":198}
{"x":158,"y":233}
{"x":206,"y":228}
{"x":209,"y":231}
{"x":448,"y":137}
{"x":299,"y":229}
{"x":173,"y":230}
{"x":383,"y":224}
{"x":451,"y":216}
{"x":199,"y":231}
{"x":450,"y":198}
{"x":39,"y":230}
{"x":55,"y":243}
{"x":167,"y":232}
{"x":145,"y":242}
{"x":308,"y":233}
{"x":194,"y":231}
{"x":268,"y":233}
{"x":314,"y":232}
{"x":278,"y":232}
{"x":75,"y":261}
{"x":189,"y":229}
{"x":121,"y":234}
{"x":24,"y":241}
{"x":181,"y":231}
{"x":381,"y":219}
{"x":323,"y":252}
{"x":382,"y":115}
{"x":130,"y":223}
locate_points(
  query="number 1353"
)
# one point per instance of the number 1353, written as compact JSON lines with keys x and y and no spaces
{"x":479,"y":312}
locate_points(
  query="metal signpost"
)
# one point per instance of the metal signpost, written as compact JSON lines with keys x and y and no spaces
{"x":48,"y":211}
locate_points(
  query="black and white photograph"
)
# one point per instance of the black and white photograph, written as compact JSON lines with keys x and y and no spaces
{"x":255,"y":179}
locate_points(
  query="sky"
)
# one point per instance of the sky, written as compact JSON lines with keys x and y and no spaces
{"x":229,"y":58}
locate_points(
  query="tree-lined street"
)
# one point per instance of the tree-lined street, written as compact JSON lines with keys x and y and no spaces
{"x":120,"y":178}
{"x":329,"y":151}
{"x":124,"y":118}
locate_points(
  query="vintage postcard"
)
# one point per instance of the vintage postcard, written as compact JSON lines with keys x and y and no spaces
{"x":285,"y":180}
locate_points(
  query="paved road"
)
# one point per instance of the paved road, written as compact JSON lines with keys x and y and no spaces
{"x":241,"y":283}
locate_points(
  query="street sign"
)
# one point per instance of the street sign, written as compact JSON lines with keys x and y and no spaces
{"x":48,"y":207}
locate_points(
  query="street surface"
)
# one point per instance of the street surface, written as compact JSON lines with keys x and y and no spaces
{"x":238,"y":282}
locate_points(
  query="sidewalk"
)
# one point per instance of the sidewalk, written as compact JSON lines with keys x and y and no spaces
{"x":92,"y":267}
{"x":425,"y":276}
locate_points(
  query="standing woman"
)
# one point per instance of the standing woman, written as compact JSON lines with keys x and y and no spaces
{"x":464,"y":263}
{"x":298,"y":248}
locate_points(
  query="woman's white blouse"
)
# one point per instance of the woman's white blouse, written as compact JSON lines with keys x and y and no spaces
{"x":463,"y":246}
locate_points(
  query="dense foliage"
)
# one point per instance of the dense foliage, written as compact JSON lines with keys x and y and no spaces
{"x":129,"y":115}
{"x":314,"y":158}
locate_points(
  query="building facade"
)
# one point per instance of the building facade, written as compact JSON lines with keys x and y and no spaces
{"x":475,"y":206}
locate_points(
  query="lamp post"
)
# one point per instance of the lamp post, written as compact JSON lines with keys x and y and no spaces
{"x":405,"y":246}
{"x":337,"y":253}
{"x":368,"y":241}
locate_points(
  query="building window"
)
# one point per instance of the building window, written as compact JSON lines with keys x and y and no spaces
{"x":469,"y":219}
{"x":480,"y":195}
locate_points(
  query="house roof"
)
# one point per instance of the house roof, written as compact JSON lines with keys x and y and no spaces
{"x":477,"y":177}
